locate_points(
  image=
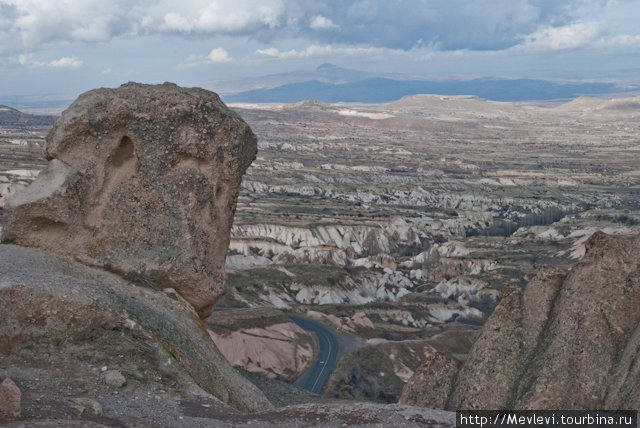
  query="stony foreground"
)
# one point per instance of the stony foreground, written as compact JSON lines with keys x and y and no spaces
{"x":308,"y":415}
{"x":64,"y":322}
{"x":69,"y":328}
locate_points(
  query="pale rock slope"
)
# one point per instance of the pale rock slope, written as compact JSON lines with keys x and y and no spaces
{"x":263,"y":341}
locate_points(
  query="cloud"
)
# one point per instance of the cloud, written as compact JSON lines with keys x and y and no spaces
{"x":218,"y":55}
{"x":621,"y":40}
{"x":70,"y":62}
{"x":66,"y":62}
{"x":311,"y":51}
{"x":319,"y":22}
{"x":566,"y":37}
{"x":46,"y":22}
{"x":328,"y":50}
{"x":198,"y":16}
{"x":446,"y":25}
{"x":576,"y":36}
{"x":41,"y":22}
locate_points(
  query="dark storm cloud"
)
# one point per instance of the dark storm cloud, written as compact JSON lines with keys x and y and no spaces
{"x":398,"y":24}
{"x":444,"y":24}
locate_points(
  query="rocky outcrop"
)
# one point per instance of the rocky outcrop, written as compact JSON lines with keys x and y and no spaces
{"x":142,"y":180}
{"x":566,"y":341}
{"x":431,"y":383}
{"x":513,"y":330}
{"x":67,"y":308}
{"x":334,"y":244}
{"x":347,"y":324}
{"x":285,"y":287}
{"x":10,"y":396}
{"x":466,"y":290}
{"x":377,"y":372}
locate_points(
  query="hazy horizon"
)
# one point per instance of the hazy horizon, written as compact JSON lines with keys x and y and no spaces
{"x":54,"y":51}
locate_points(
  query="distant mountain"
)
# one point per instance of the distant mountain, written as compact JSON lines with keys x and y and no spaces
{"x":327,"y":73}
{"x":586,"y":103}
{"x":12,"y":117}
{"x":383,"y":89}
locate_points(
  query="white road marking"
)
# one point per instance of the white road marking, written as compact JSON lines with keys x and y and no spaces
{"x":323,"y":366}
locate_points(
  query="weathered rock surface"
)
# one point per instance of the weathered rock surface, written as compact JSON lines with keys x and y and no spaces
{"x":377,"y":372}
{"x":88,"y":405}
{"x":431,"y":383}
{"x":566,"y":341}
{"x":143,"y":180}
{"x":513,"y":331}
{"x":114,"y":378}
{"x":92,"y":316}
{"x":9,"y":399}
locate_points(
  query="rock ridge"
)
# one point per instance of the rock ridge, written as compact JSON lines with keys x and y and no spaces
{"x":568,"y":340}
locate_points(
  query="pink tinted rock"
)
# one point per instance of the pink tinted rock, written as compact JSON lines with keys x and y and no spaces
{"x":114,"y":378}
{"x":10,"y":398}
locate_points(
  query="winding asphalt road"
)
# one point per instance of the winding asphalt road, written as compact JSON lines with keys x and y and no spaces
{"x":316,"y":377}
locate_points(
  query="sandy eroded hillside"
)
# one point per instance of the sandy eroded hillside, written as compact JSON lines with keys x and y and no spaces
{"x":409,"y":217}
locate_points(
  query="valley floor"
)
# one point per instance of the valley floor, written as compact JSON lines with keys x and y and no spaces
{"x":398,"y":224}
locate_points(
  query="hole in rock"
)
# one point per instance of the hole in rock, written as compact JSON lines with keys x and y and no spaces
{"x":219,"y":190}
{"x":123,"y":153}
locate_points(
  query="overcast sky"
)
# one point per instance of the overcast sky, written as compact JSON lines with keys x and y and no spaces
{"x":64,"y":47}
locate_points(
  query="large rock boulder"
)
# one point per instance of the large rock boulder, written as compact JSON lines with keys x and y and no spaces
{"x":142,"y":180}
{"x":566,"y":341}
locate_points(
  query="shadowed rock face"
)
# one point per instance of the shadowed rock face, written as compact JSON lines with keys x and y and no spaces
{"x":566,"y":341}
{"x":430,"y":385}
{"x":142,"y":180}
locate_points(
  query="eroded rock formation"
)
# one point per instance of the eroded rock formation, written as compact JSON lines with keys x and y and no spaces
{"x":566,"y":341}
{"x":263,"y":340}
{"x":62,"y":319}
{"x":434,"y":376}
{"x":142,"y":180}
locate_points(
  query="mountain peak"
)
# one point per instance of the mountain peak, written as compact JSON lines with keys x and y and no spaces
{"x":326,"y":66}
{"x":12,"y":117}
{"x":6,"y":108}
